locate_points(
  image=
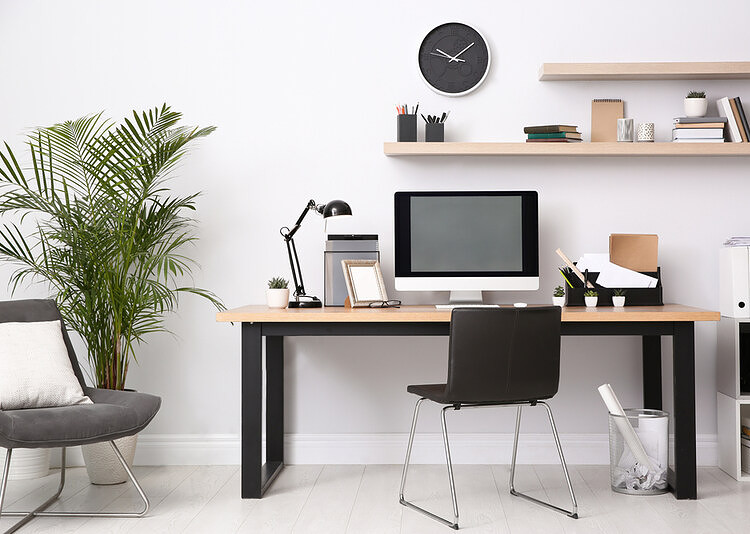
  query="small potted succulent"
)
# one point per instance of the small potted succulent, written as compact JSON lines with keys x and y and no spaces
{"x":696,"y":104}
{"x":618,"y":297}
{"x":558,"y":296}
{"x":591,"y":297}
{"x":277,"y":294}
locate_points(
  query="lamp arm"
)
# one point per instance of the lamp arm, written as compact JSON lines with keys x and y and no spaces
{"x":310,"y":206}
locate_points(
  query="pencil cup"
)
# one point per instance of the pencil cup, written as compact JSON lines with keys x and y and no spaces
{"x":406,"y":128}
{"x":625,"y":130}
{"x":646,"y":132}
{"x":434,"y":132}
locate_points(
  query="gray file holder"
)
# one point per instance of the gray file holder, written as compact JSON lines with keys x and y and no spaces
{"x":344,"y":247}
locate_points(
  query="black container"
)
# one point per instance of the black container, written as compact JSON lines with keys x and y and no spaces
{"x":634,"y":296}
{"x":434,"y":132}
{"x":406,"y":128}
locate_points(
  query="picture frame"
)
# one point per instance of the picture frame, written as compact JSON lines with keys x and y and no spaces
{"x":364,"y":282}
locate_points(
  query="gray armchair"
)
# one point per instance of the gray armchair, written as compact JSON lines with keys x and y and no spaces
{"x":113,"y":415}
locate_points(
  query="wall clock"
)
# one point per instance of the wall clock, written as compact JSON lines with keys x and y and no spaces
{"x":454,"y":59}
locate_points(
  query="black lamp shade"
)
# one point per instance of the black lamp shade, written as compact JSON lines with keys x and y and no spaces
{"x":336,"y":208}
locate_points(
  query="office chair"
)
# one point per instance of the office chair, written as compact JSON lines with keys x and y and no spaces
{"x":496,"y":357}
{"x":113,"y":415}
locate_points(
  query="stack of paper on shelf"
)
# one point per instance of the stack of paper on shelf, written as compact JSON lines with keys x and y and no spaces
{"x":699,"y":129}
{"x":552,"y":133}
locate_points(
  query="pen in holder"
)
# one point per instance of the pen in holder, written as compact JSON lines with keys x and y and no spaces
{"x":434,"y":132}
{"x":406,"y":128}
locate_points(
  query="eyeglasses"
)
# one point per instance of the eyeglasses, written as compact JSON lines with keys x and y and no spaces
{"x":385,"y":304}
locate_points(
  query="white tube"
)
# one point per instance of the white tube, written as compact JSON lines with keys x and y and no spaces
{"x":623,"y":424}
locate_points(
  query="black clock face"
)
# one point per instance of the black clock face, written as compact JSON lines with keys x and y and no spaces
{"x":454,"y":59}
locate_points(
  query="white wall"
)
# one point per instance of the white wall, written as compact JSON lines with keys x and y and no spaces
{"x":303,"y":95}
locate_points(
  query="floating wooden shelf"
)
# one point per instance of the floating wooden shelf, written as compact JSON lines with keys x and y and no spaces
{"x":708,"y":70}
{"x":566,"y":149}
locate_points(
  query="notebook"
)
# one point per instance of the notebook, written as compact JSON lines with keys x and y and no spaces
{"x":604,"y":115}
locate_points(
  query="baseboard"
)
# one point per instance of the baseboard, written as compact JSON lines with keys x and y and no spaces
{"x":224,"y":449}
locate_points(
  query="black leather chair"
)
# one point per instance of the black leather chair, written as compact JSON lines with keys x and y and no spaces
{"x":496,"y":357}
{"x":113,"y":415}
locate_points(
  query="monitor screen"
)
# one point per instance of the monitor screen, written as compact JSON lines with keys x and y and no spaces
{"x":466,"y":234}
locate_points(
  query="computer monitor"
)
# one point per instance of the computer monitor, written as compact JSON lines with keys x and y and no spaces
{"x":466,"y":242}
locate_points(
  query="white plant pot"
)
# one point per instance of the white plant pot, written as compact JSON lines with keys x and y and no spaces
{"x":26,"y":464}
{"x":103,"y":466}
{"x":558,"y":301}
{"x":591,"y":301}
{"x":619,"y":302}
{"x":277,"y":298}
{"x":696,"y":107}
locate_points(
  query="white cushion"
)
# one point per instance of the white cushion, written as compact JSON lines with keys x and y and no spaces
{"x":35,"y":369}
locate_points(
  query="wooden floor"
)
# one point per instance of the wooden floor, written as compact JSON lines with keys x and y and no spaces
{"x":364,"y":499}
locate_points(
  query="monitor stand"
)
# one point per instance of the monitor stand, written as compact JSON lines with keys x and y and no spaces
{"x":465,"y":297}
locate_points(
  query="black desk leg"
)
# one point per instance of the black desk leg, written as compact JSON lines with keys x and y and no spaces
{"x":252,"y":406}
{"x":275,"y":399}
{"x":683,"y":481}
{"x":652,"y":398}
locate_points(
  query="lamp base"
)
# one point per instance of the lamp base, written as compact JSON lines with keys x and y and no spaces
{"x":314,"y":302}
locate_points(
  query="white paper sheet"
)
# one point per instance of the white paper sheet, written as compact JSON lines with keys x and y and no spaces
{"x":613,"y":275}
{"x":594,"y":262}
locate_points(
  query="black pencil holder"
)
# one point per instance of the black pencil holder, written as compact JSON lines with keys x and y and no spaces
{"x":434,"y":132}
{"x":406,"y":128}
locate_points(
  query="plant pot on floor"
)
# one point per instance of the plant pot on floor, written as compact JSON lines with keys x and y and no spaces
{"x":27,"y":463}
{"x":591,"y":301}
{"x":102,"y":464}
{"x":277,"y":298}
{"x":696,"y":107}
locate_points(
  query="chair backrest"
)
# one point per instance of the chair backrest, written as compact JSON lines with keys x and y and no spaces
{"x":37,"y":310}
{"x":504,"y":354}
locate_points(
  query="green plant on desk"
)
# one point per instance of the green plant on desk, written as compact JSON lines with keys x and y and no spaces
{"x":618,"y":292}
{"x":559,"y":292}
{"x":278,"y":282}
{"x":590,"y":293}
{"x":696,"y":94}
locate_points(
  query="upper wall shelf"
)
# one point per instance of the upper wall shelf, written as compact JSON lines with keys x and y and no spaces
{"x":707,"y":70}
{"x":566,"y":149}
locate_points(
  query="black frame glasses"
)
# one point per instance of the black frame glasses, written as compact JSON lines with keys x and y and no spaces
{"x":385,"y":304}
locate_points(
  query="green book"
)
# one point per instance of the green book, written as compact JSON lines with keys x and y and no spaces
{"x":570,"y":135}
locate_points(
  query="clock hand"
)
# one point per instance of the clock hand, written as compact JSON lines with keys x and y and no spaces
{"x":444,"y":56}
{"x":449,"y":56}
{"x":455,"y":58}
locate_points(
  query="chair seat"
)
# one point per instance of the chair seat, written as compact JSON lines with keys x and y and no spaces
{"x":113,"y":415}
{"x":439,"y":393}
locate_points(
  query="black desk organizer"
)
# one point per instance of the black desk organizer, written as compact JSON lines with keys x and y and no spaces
{"x":634,"y":296}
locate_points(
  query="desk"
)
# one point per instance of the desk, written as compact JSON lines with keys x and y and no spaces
{"x":649,"y":322}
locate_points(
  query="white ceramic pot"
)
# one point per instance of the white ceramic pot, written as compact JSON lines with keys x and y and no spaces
{"x":558,"y":301}
{"x":103,"y":466}
{"x":696,"y":107}
{"x":277,"y":298}
{"x":26,"y":464}
{"x":591,"y":301}
{"x":619,"y":302}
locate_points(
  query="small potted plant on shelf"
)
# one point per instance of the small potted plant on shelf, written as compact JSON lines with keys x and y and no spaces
{"x":591,"y":297}
{"x":558,"y":297}
{"x":277,"y":294}
{"x":696,"y":104}
{"x":618,"y":297}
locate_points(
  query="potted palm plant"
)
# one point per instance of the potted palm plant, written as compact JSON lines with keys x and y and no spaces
{"x":108,"y":237}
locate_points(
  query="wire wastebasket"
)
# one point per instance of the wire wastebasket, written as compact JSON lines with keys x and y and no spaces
{"x":639,"y":451}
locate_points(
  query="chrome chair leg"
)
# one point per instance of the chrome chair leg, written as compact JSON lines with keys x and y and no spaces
{"x":454,"y":524}
{"x":39,"y":510}
{"x":570,"y":513}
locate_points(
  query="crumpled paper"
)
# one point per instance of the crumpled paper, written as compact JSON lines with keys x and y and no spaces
{"x":640,"y":477}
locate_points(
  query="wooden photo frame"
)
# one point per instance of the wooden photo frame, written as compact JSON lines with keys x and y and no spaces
{"x":364,"y":282}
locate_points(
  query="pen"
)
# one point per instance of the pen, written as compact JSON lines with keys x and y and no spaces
{"x":442,"y":119}
{"x":416,"y":109}
{"x":423,"y":117}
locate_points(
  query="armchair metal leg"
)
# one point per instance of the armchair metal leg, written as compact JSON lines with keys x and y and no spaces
{"x":39,"y":510}
{"x":570,"y":513}
{"x":454,"y":524}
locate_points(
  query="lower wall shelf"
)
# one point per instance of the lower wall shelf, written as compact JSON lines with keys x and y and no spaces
{"x":566,"y":149}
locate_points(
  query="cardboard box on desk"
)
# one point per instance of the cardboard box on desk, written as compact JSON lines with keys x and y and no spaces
{"x":634,"y":296}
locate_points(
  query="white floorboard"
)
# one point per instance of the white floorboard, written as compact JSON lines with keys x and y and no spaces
{"x":360,"y":499}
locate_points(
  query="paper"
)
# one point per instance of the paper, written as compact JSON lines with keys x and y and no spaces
{"x":624,"y":426}
{"x":639,"y":252}
{"x":615,"y":276}
{"x":594,"y":262}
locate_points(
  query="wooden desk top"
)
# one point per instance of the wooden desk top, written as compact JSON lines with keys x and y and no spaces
{"x":430,"y":314}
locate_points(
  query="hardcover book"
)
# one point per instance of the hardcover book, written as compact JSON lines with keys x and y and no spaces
{"x":569,"y":135}
{"x":549,"y":128}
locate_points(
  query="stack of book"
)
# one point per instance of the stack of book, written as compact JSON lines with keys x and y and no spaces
{"x":731,"y":108}
{"x":698,"y":129}
{"x":552,"y":133}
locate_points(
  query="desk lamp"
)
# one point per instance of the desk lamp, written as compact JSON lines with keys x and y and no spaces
{"x":334,"y":208}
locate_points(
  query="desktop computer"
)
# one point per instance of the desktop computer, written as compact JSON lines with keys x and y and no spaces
{"x":466,"y":242}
